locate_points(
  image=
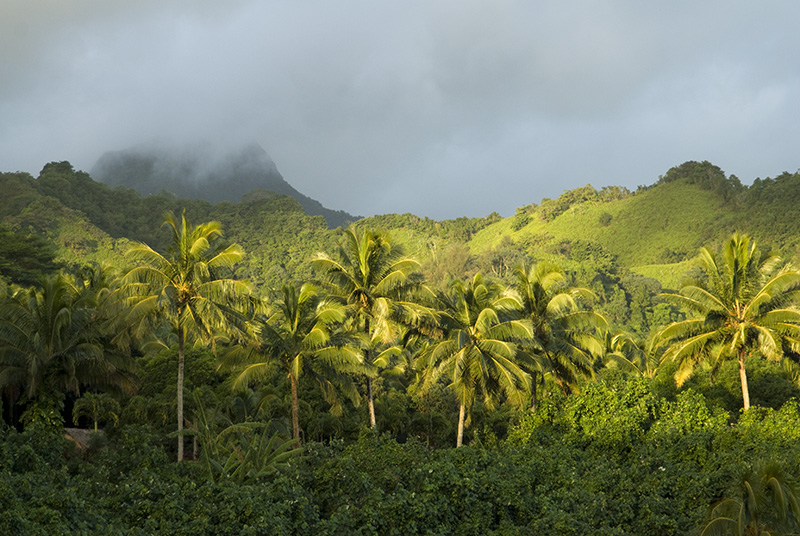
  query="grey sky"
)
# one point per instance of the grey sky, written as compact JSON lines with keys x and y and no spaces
{"x":440,"y":108}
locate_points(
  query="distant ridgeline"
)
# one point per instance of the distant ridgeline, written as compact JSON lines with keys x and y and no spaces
{"x":201,"y":172}
{"x":604,"y":238}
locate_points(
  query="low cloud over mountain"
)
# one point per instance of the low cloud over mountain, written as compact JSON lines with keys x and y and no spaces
{"x":203,"y":171}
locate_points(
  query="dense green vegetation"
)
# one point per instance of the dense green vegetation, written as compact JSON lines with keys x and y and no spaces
{"x":598,"y":376}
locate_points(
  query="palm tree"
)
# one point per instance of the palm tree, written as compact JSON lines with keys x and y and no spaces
{"x":298,"y":337}
{"x":478,"y":355}
{"x":765,"y":503}
{"x":621,"y":351}
{"x":564,"y":335}
{"x":96,"y":406}
{"x":239,"y":450}
{"x":744,"y":305}
{"x":380,"y":287}
{"x":186,"y":290}
{"x":50,"y":342}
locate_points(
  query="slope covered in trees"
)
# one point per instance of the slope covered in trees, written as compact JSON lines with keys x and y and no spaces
{"x":329,"y":397}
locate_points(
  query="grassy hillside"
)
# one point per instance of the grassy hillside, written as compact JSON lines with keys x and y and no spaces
{"x":76,"y":239}
{"x":643,"y":228}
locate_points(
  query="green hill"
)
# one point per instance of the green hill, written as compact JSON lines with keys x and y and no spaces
{"x":654,"y":231}
{"x":89,"y":222}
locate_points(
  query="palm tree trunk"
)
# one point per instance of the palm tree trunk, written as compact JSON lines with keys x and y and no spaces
{"x":370,"y":398}
{"x":181,"y":358}
{"x":563,"y":386}
{"x":743,"y":378}
{"x":534,"y":401}
{"x":462,"y":412}
{"x":371,"y":403}
{"x":295,"y":408}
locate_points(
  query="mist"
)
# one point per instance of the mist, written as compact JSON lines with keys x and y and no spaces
{"x":442,"y":109}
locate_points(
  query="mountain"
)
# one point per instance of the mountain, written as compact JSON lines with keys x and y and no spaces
{"x":201,"y":171}
{"x":653,"y":233}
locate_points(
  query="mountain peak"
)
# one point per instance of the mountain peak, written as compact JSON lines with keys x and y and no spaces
{"x":203,"y":171}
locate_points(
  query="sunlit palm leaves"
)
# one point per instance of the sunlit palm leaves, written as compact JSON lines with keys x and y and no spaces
{"x":380,"y":287}
{"x":187,"y":290}
{"x":621,"y":351}
{"x":564,"y":337}
{"x":745,"y":304}
{"x":298,"y":337}
{"x":478,"y":356}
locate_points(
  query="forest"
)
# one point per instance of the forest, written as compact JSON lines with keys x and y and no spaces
{"x":609,"y":362}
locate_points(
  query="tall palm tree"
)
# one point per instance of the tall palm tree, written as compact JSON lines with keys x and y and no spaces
{"x":745,"y":304}
{"x":380,"y":287}
{"x":298,"y":337}
{"x":478,"y":355}
{"x":50,"y":342}
{"x":564,"y":334}
{"x":187,"y":290}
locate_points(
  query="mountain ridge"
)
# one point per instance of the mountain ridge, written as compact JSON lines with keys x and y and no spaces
{"x":201,"y":171}
{"x":655,"y":231}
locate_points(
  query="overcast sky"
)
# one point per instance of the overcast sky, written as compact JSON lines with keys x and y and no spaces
{"x":440,"y":108}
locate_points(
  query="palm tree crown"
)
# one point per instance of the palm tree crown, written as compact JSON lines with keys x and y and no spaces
{"x":564,"y":335}
{"x":298,"y":336}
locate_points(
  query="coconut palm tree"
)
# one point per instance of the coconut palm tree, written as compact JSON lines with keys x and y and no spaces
{"x":478,"y":355}
{"x":299,"y":336}
{"x":50,"y":342}
{"x":97,"y":407}
{"x":765,"y":502}
{"x":564,"y":334}
{"x":745,"y":304}
{"x":623,"y":352}
{"x":381,"y":288}
{"x":188,"y":289}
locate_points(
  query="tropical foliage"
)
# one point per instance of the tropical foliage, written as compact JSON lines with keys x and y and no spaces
{"x":299,"y":336}
{"x":766,"y":503}
{"x":564,"y":336}
{"x":546,"y":345}
{"x":52,"y":343}
{"x":378,"y":284}
{"x":744,"y":304}
{"x":478,"y":356}
{"x":97,"y":407}
{"x":187,"y":290}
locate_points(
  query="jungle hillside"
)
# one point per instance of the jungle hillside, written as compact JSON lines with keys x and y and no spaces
{"x":611,"y":361}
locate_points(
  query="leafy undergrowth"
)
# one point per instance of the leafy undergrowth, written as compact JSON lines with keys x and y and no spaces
{"x":616,"y":459}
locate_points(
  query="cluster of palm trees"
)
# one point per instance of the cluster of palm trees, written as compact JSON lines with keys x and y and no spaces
{"x":56,"y":339}
{"x":371,"y":314}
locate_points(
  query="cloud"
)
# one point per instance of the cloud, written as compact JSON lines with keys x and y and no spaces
{"x":440,"y":108}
